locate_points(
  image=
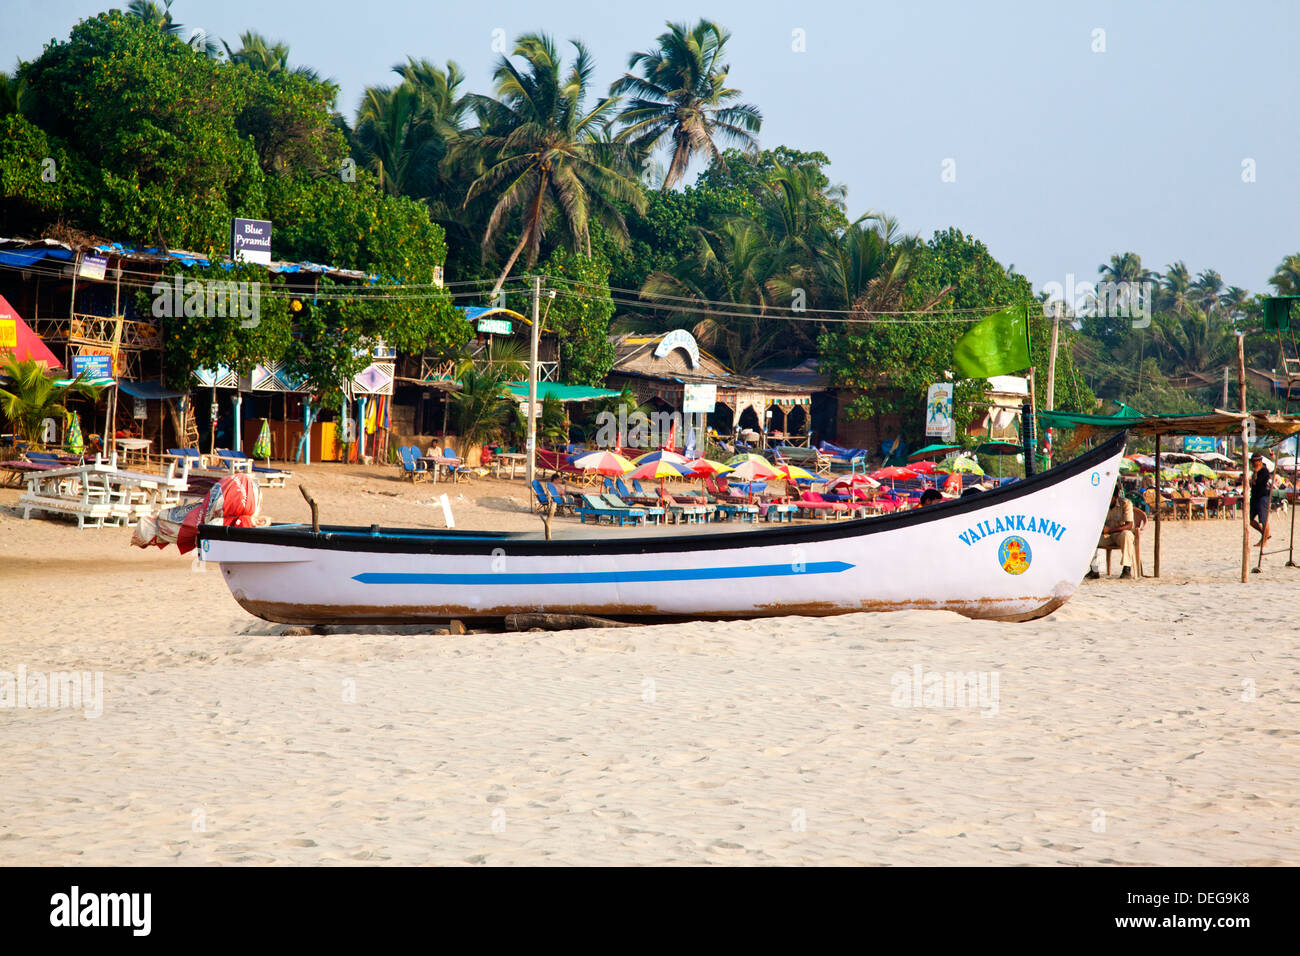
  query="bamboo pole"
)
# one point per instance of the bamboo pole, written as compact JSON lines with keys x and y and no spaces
{"x":1245,"y":464}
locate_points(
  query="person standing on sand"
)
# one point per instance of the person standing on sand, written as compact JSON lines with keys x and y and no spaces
{"x":1118,"y":533}
{"x":1261,"y":494}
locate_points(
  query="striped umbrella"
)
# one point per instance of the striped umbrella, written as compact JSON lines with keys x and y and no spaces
{"x":748,"y":456}
{"x":661,"y":469}
{"x":792,"y":473}
{"x":704,"y":467}
{"x":660,"y":454}
{"x":603,"y":463}
{"x":753,"y":468}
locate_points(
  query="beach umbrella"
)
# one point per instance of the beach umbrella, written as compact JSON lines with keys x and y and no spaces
{"x":72,"y":441}
{"x":749,"y":456}
{"x":754,"y":468}
{"x":703,"y":467}
{"x":846,"y":481}
{"x":262,"y":447}
{"x":1287,"y":464}
{"x":794,"y":473}
{"x":922,"y":467}
{"x":931,"y":451}
{"x":1128,"y":466}
{"x":660,"y":469}
{"x":660,"y":454}
{"x":1196,"y":469}
{"x":603,"y":463}
{"x":959,"y":464}
{"x":894,"y":473}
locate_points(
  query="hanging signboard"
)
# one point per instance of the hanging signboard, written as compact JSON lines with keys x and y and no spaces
{"x":93,"y":267}
{"x":495,"y":326}
{"x":250,"y":240}
{"x":938,"y":412}
{"x":1194,"y":444}
{"x":698,"y":397}
{"x":8,"y":334}
{"x":141,"y":409}
{"x":95,"y":366}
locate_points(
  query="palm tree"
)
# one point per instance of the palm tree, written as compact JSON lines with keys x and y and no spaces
{"x":13,"y":92}
{"x":682,"y":94}
{"x":259,"y":54}
{"x":154,"y":15}
{"x":1286,"y":278}
{"x":1208,"y":287}
{"x":33,"y":397}
{"x":735,"y":264}
{"x":544,"y":152}
{"x":160,"y":17}
{"x":1235,"y":301}
{"x":394,"y":138}
{"x":482,"y":410}
{"x":1177,"y":287}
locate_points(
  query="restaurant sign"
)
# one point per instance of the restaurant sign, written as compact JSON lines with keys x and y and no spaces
{"x":495,"y":326}
{"x":1194,"y":445}
{"x":95,"y":366}
{"x":93,"y":267}
{"x":250,"y":240}
{"x":698,"y":397}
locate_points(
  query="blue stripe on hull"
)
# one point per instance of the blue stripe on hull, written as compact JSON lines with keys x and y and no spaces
{"x":607,"y":577}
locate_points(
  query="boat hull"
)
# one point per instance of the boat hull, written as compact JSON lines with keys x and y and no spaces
{"x":1014,"y":554}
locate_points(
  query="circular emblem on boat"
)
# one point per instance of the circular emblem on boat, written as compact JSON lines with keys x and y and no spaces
{"x":1014,"y":555}
{"x":1096,"y":479}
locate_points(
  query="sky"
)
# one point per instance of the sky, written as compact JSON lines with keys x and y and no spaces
{"x":1057,"y":133}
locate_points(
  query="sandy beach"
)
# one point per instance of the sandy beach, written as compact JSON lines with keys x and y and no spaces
{"x":1143,"y":723}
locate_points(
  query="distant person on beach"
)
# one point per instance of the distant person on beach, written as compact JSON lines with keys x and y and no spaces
{"x":1117,"y":533}
{"x":930,"y":496}
{"x":1261,"y":493}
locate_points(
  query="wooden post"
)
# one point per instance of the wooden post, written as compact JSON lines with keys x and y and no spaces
{"x":1158,"y":505}
{"x":1245,"y":463}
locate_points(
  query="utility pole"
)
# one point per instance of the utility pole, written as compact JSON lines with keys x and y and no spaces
{"x":535,"y":338}
{"x":1225,"y":388}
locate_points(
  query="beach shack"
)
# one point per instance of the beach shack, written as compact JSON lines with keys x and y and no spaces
{"x":671,"y":371}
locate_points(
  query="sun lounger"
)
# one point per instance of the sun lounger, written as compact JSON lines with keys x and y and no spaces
{"x":598,"y":510}
{"x":653,"y":514}
{"x":563,"y":505}
{"x":680,"y":511}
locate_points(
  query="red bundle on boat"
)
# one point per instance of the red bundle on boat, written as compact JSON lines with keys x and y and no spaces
{"x":235,"y":500}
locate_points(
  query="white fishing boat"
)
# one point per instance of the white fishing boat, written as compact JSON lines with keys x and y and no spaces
{"x":1014,"y":553}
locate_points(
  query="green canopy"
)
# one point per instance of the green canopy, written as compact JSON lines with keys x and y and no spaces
{"x":554,"y":390}
{"x":932,"y":451}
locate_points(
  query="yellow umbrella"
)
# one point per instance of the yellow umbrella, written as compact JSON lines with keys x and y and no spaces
{"x":603,"y":463}
{"x":795,"y":473}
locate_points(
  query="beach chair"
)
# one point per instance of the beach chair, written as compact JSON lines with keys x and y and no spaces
{"x":238,"y":461}
{"x":412,"y":466}
{"x":455,"y":467}
{"x":653,"y":515}
{"x":815,"y":505}
{"x":680,"y":511}
{"x":562,"y":503}
{"x":594,"y":507}
{"x":543,"y":499}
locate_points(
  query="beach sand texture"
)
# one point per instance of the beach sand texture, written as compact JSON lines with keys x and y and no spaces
{"x":1143,"y":723}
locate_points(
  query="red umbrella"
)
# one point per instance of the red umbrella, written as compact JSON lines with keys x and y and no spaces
{"x":922,"y":467}
{"x":894,"y":473}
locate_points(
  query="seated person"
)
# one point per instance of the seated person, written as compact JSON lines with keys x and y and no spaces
{"x":1117,"y":533}
{"x":930,"y":496}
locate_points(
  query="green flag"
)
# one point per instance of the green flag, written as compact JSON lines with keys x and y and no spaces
{"x":996,"y":345}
